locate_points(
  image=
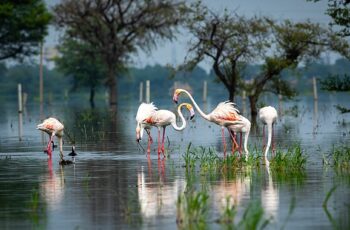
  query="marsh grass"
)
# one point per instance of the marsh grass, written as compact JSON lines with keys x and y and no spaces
{"x":37,"y":209}
{"x":192,"y":208}
{"x":339,"y":158}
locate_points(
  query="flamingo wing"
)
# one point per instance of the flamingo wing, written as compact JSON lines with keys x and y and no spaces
{"x":225,"y":111}
{"x":144,"y":111}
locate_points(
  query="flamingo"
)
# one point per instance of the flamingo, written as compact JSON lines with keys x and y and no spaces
{"x":224,"y":115}
{"x":54,"y":128}
{"x":268,"y":115}
{"x":161,"y":119}
{"x":243,"y":127}
{"x":144,"y":111}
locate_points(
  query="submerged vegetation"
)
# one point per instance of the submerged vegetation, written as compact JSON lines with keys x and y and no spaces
{"x":339,"y":158}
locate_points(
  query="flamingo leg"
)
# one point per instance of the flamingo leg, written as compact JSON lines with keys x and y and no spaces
{"x":149,"y":142}
{"x":49,"y":147}
{"x":223,"y":140}
{"x":234,"y":142}
{"x":240,"y":144}
{"x":163,"y":141}
{"x":158,"y":142}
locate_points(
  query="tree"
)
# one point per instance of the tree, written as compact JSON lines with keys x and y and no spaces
{"x":116,"y":29}
{"x":339,"y":11}
{"x":23,"y":25}
{"x":79,"y":60}
{"x":228,"y":40}
{"x":232,"y":42}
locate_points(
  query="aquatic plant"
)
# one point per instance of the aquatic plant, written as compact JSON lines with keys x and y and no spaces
{"x":192,"y":209}
{"x":37,"y":209}
{"x":292,"y":159}
{"x":228,"y":213}
{"x":325,"y":208}
{"x":253,"y":217}
{"x":339,"y":158}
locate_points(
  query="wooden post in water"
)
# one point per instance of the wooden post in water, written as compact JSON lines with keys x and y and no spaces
{"x":20,"y":110}
{"x":314,"y":84}
{"x":148,"y":93}
{"x":244,"y":106}
{"x":141,"y":92}
{"x":41,"y":78}
{"x":205,"y":91}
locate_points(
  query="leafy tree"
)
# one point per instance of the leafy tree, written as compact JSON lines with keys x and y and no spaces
{"x":79,"y":60}
{"x":23,"y":24}
{"x":232,"y":42}
{"x":116,"y":29}
{"x":339,"y":11}
{"x":228,"y":40}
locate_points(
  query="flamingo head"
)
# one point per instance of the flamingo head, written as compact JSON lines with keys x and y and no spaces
{"x":176,"y":95}
{"x":190,"y":108}
{"x":139,"y":132}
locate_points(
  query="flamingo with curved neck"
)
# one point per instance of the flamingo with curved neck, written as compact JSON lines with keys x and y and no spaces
{"x":225,"y":114}
{"x":268,"y":115}
{"x":161,"y":119}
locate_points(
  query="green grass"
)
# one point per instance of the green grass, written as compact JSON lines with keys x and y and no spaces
{"x":192,"y":208}
{"x":339,"y":158}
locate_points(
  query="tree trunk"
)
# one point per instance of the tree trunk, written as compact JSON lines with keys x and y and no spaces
{"x":253,"y":99}
{"x":92,"y":96}
{"x":232,"y":94}
{"x":112,"y":85}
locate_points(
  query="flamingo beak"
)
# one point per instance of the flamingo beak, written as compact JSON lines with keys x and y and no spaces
{"x":192,"y":113}
{"x":175,"y":98}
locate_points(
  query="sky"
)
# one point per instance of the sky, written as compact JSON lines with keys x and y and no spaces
{"x":174,"y":52}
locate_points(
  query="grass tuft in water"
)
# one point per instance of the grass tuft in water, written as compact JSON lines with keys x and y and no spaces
{"x":253,"y":217}
{"x":339,"y":158}
{"x":293,"y":159}
{"x":229,"y":212}
{"x":192,"y":208}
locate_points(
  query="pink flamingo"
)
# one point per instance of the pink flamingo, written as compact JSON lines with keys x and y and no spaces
{"x":54,"y":128}
{"x":225,"y":114}
{"x":160,"y":119}
{"x":243,"y":127}
{"x":268,"y":115}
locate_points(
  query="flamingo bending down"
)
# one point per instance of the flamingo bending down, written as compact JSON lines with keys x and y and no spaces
{"x":268,"y":115}
{"x":243,"y":127}
{"x":161,"y":119}
{"x":54,"y":128}
{"x":225,"y":114}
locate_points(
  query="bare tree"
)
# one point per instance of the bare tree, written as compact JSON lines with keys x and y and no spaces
{"x":118,"y":28}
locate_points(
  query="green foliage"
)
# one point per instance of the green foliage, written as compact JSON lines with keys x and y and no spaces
{"x":336,"y":82}
{"x":339,"y":158}
{"x":293,"y":159}
{"x":192,"y":208}
{"x":23,"y":25}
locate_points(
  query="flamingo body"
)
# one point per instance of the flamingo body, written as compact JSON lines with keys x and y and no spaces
{"x":161,"y":119}
{"x":243,"y":127}
{"x":224,"y":115}
{"x":268,"y":116}
{"x":52,"y":127}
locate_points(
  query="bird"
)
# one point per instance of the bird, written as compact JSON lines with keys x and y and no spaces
{"x":144,"y":111}
{"x":162,"y":119}
{"x":224,"y":115}
{"x":243,"y":127}
{"x":268,"y":116}
{"x":53,"y":127}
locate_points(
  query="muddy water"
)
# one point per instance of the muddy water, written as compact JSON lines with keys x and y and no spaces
{"x":113,"y":185}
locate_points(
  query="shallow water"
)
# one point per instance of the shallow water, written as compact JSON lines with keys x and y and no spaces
{"x":114,"y":185}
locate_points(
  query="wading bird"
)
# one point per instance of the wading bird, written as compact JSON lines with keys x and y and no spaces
{"x":161,"y":119}
{"x":225,"y":114}
{"x":243,"y":127}
{"x":268,"y":116}
{"x":54,"y":128}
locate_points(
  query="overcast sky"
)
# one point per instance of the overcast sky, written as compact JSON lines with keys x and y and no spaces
{"x":170,"y":52}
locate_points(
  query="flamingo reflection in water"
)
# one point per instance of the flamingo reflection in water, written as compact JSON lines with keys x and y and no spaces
{"x":157,"y":197}
{"x":52,"y":188}
{"x":270,"y":195}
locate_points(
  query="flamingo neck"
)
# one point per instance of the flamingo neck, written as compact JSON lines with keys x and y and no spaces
{"x":61,"y":146}
{"x":205,"y":116}
{"x":183,"y":120}
{"x":269,"y":137}
{"x":246,"y":136}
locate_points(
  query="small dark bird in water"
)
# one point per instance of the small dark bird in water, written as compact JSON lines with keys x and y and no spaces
{"x":66,"y":162}
{"x":73,"y":154}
